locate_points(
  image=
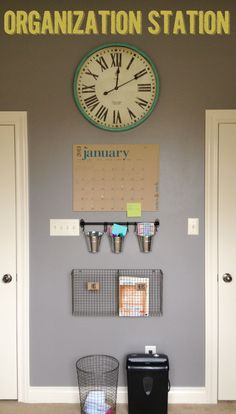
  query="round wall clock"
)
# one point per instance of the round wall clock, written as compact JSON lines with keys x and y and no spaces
{"x":116,"y":87}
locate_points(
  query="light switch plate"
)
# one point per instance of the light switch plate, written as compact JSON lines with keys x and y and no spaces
{"x":64,"y":227}
{"x":193,"y":226}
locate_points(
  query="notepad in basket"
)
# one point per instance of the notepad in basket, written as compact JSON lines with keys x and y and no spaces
{"x":133,"y":296}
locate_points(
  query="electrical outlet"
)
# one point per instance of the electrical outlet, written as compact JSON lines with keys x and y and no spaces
{"x":150,"y":349}
{"x":64,"y":227}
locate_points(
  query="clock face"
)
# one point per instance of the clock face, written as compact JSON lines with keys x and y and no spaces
{"x":116,"y":87}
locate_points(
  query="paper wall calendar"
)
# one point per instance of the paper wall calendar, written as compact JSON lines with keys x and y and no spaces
{"x":107,"y":177}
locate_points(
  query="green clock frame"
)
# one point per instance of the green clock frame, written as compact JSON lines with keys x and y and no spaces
{"x":91,"y":98}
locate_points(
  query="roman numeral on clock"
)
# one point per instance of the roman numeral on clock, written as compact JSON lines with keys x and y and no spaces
{"x":141,"y":102}
{"x":103,"y":64}
{"x":88,"y":89}
{"x":116,"y":117}
{"x":102,"y":113}
{"x":144,"y":87}
{"x":131,"y":114}
{"x":140,"y":73}
{"x":91,"y":102}
{"x":130,"y":63}
{"x":116,"y":59}
{"x":91,"y":74}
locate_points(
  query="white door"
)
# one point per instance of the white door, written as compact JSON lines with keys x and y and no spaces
{"x":8,"y":338}
{"x":227,"y":262}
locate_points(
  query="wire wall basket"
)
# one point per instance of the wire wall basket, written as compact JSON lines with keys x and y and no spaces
{"x":113,"y":292}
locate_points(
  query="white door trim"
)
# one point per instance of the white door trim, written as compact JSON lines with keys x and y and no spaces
{"x":213,"y":119}
{"x":19,"y":121}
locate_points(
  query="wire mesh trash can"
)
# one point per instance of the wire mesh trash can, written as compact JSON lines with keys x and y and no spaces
{"x":148,"y":383}
{"x":97,"y":381}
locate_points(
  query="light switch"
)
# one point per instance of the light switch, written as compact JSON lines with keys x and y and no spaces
{"x":193,"y":226}
{"x":64,"y":227}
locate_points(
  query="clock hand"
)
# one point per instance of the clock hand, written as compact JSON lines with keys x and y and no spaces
{"x":117,"y":77}
{"x":130,"y":80}
{"x":119,"y":86}
{"x":107,"y":92}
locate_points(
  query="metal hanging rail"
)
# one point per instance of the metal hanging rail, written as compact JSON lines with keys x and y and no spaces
{"x":84,"y":223}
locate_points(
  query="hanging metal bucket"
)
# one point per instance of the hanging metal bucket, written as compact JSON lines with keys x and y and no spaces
{"x":116,"y":243}
{"x":93,"y":240}
{"x":145,"y":243}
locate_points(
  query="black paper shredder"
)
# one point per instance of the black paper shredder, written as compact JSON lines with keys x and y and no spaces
{"x":148,"y":383}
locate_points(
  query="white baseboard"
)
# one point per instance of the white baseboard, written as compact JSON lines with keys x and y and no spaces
{"x":187,"y":395}
{"x":177,"y":395}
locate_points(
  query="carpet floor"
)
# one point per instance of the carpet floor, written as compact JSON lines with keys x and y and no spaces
{"x":10,"y":407}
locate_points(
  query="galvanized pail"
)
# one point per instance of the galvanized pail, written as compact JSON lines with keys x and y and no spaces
{"x":93,"y":240}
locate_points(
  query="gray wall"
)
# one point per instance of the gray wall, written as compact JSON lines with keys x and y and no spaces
{"x":36,"y":75}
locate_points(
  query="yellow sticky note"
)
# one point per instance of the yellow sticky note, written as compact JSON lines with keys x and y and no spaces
{"x":134,"y":210}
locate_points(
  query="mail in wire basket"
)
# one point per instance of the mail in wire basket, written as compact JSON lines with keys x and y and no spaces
{"x":117,"y":292}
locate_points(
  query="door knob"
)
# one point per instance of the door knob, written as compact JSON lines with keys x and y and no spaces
{"x":227,"y":278}
{"x":7,"y":278}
